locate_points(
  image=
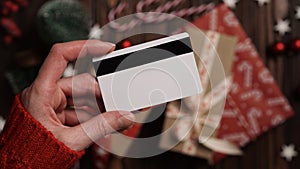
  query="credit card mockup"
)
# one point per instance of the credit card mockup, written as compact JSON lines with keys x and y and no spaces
{"x":148,"y":74}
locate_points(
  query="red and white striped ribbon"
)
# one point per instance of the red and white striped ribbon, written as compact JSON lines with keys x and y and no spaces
{"x":153,"y":16}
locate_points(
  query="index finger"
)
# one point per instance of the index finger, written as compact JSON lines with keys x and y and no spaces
{"x":62,"y":53}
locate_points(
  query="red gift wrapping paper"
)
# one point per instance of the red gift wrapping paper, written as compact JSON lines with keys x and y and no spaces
{"x":255,"y":103}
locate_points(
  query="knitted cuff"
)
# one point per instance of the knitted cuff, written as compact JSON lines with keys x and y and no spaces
{"x":25,"y":143}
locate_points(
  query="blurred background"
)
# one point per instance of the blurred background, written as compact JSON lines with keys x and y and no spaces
{"x":29,"y":28}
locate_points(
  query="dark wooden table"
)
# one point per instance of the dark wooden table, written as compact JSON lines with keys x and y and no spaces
{"x":263,"y":153}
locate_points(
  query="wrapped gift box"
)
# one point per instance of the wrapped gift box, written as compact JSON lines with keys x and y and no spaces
{"x":254,"y":103}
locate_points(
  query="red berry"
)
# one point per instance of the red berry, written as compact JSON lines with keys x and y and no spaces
{"x":14,"y":8}
{"x":295,"y":45}
{"x":8,"y":4}
{"x":278,"y":48}
{"x":126,"y":44}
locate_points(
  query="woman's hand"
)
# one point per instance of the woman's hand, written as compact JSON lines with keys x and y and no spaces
{"x":49,"y":97}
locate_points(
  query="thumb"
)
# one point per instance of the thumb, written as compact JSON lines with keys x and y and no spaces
{"x":83,"y":135}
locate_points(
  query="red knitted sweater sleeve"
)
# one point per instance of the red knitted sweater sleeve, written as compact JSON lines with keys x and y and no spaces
{"x":25,"y":143}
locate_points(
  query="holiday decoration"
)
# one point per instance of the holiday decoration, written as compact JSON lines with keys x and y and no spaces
{"x":288,"y":152}
{"x":231,"y":3}
{"x":282,"y":27}
{"x":125,"y":44}
{"x":297,"y":12}
{"x":7,"y":8}
{"x":295,"y":45}
{"x":62,"y":21}
{"x":262,"y":2}
{"x":278,"y":48}
{"x":254,"y":103}
{"x":150,"y":19}
{"x":10,"y":26}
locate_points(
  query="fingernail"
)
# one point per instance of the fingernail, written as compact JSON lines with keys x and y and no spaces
{"x":126,"y":119}
{"x":111,"y":44}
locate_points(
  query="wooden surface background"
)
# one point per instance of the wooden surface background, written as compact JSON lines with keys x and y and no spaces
{"x":263,"y":153}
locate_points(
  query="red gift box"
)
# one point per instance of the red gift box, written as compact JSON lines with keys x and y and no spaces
{"x":255,"y":103}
